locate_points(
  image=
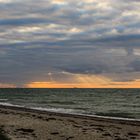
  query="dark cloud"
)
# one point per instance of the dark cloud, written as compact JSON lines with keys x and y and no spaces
{"x":21,"y":21}
{"x":38,"y":37}
{"x":135,"y":65}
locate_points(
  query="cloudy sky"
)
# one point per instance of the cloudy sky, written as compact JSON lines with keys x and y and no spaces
{"x":69,"y":43}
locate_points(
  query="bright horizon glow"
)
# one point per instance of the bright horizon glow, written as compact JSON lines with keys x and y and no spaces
{"x":85,"y":81}
{"x":134,"y":84}
{"x":81,"y":81}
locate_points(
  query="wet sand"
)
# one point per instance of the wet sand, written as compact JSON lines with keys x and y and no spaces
{"x":27,"y":124}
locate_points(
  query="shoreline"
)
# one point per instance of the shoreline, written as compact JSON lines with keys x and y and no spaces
{"x":74,"y":115}
{"x":20,"y":123}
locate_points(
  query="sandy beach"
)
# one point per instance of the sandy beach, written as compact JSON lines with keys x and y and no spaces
{"x":27,"y":124}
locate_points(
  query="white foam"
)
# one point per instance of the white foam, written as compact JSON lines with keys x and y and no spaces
{"x":68,"y":111}
{"x":61,"y":110}
{"x":9,"y":104}
{"x":3,"y":99}
{"x":108,"y":117}
{"x":74,"y":112}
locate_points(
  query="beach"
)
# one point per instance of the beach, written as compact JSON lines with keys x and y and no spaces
{"x":19,"y":123}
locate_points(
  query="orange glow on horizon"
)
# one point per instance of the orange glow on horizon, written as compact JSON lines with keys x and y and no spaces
{"x":84,"y":81}
{"x":134,"y":84}
{"x":80,"y":81}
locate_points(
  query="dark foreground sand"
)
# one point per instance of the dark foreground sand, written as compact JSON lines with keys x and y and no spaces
{"x":25,"y":124}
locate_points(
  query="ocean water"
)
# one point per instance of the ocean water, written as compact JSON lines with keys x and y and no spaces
{"x":122,"y":103}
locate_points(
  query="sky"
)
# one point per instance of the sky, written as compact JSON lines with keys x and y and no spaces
{"x":70,"y":43}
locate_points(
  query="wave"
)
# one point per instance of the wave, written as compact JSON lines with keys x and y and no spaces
{"x":79,"y":113}
{"x":68,"y":111}
{"x":58,"y":110}
{"x":3,"y":99}
{"x":62,"y":102}
{"x":9,"y":104}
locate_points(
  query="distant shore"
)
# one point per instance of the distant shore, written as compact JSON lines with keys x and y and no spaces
{"x":29,"y":124}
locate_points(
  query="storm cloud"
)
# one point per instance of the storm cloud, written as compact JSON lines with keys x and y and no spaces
{"x":38,"y":37}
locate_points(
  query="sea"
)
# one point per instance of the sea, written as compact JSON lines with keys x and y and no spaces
{"x":115,"y":103}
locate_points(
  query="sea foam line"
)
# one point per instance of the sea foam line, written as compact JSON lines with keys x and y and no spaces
{"x":68,"y":111}
{"x":72,"y":112}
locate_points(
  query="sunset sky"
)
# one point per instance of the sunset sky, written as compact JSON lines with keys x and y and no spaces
{"x":70,"y":43}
